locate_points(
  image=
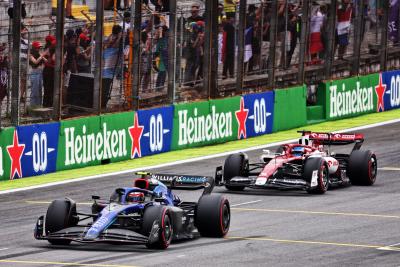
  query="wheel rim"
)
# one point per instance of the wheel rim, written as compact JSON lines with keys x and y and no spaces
{"x":372,"y":168}
{"x":324,"y":177}
{"x":225,"y":217}
{"x":167,"y":231}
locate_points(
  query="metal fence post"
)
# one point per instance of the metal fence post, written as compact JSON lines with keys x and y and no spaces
{"x":213,"y":91}
{"x":358,"y":32}
{"x":58,"y":68}
{"x":272,"y":39}
{"x":16,"y":63}
{"x":98,"y":75}
{"x":303,"y":39}
{"x":330,"y":51}
{"x":241,"y":45}
{"x":172,"y":51}
{"x":384,"y":36}
{"x":211,"y":49}
{"x":135,"y":76}
{"x":261,"y":37}
{"x":207,"y":46}
{"x":181,"y":41}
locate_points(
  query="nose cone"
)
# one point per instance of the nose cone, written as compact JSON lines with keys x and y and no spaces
{"x":98,"y":227}
{"x":92,"y":234}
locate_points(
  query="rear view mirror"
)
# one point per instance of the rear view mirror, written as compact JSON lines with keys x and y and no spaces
{"x":120,"y":191}
{"x":95,"y":197}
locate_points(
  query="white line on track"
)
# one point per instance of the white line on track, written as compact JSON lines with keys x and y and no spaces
{"x":389,"y":169}
{"x":391,"y":247}
{"x":245,"y":203}
{"x":180,"y":162}
{"x":3,"y":249}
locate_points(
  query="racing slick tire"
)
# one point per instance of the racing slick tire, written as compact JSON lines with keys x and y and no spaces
{"x":213,"y":216}
{"x":362,"y":168}
{"x":319,"y":165}
{"x":61,"y":214}
{"x":163,"y":216}
{"x":235,"y":165}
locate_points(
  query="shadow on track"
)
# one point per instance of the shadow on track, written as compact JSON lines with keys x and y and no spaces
{"x":175,"y":246}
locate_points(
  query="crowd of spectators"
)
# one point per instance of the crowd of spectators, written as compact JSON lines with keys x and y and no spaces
{"x":38,"y":56}
{"x":289,"y":25}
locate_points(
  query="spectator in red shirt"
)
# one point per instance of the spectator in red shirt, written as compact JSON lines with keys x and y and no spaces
{"x":316,"y":45}
{"x":343,"y":24}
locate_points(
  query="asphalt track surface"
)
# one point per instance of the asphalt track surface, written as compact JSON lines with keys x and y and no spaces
{"x":351,"y":226}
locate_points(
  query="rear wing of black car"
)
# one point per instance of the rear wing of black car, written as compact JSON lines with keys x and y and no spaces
{"x":182,"y":182}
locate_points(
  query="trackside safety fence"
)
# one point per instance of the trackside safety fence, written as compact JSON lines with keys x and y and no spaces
{"x":45,"y":148}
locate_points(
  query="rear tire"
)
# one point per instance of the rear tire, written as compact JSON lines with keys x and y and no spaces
{"x":317,"y":164}
{"x":362,"y":168}
{"x":61,"y":214}
{"x":213,"y":216}
{"x":235,"y":165}
{"x":162,"y":215}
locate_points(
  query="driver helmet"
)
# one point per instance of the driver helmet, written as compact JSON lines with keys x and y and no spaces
{"x":135,"y":197}
{"x":298,"y":151}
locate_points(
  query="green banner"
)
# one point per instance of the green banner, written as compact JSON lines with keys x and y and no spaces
{"x":94,"y":140}
{"x":120,"y":140}
{"x":370,"y":82}
{"x":290,"y":109}
{"x":204,"y":123}
{"x":350,"y":97}
{"x":6,"y":146}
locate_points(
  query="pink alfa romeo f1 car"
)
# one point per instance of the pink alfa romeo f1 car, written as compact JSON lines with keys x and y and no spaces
{"x":308,"y":165}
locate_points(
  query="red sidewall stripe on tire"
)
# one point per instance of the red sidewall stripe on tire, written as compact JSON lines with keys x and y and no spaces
{"x":224,"y":231}
{"x":166,"y":242}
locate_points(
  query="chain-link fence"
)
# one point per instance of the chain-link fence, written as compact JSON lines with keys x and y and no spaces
{"x":197,"y":50}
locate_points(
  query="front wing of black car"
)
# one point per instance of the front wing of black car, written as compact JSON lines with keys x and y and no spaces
{"x":78,"y":233}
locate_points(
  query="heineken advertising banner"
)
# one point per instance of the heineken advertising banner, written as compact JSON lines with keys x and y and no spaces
{"x":388,"y":91}
{"x":350,"y":97}
{"x":189,"y":128}
{"x":114,"y":137}
{"x":290,"y":109}
{"x":261,"y":113}
{"x":209,"y":122}
{"x":156,"y":132}
{"x":81,"y":143}
{"x":44,"y":148}
{"x":38,"y":144}
{"x":10,"y":154}
{"x":117,"y":131}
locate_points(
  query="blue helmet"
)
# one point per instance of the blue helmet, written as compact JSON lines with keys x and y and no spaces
{"x":298,"y":151}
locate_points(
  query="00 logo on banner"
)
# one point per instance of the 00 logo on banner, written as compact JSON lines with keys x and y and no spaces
{"x":395,"y":91}
{"x":39,"y":152}
{"x":156,"y":133}
{"x":260,"y":118}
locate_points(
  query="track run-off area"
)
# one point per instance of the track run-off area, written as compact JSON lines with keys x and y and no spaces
{"x":350,"y":226}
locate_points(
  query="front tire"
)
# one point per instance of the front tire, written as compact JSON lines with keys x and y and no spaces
{"x":61,"y":214}
{"x":235,"y":165}
{"x":318,"y":166}
{"x":162,"y":215}
{"x":362,"y":168}
{"x":213,"y":216}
